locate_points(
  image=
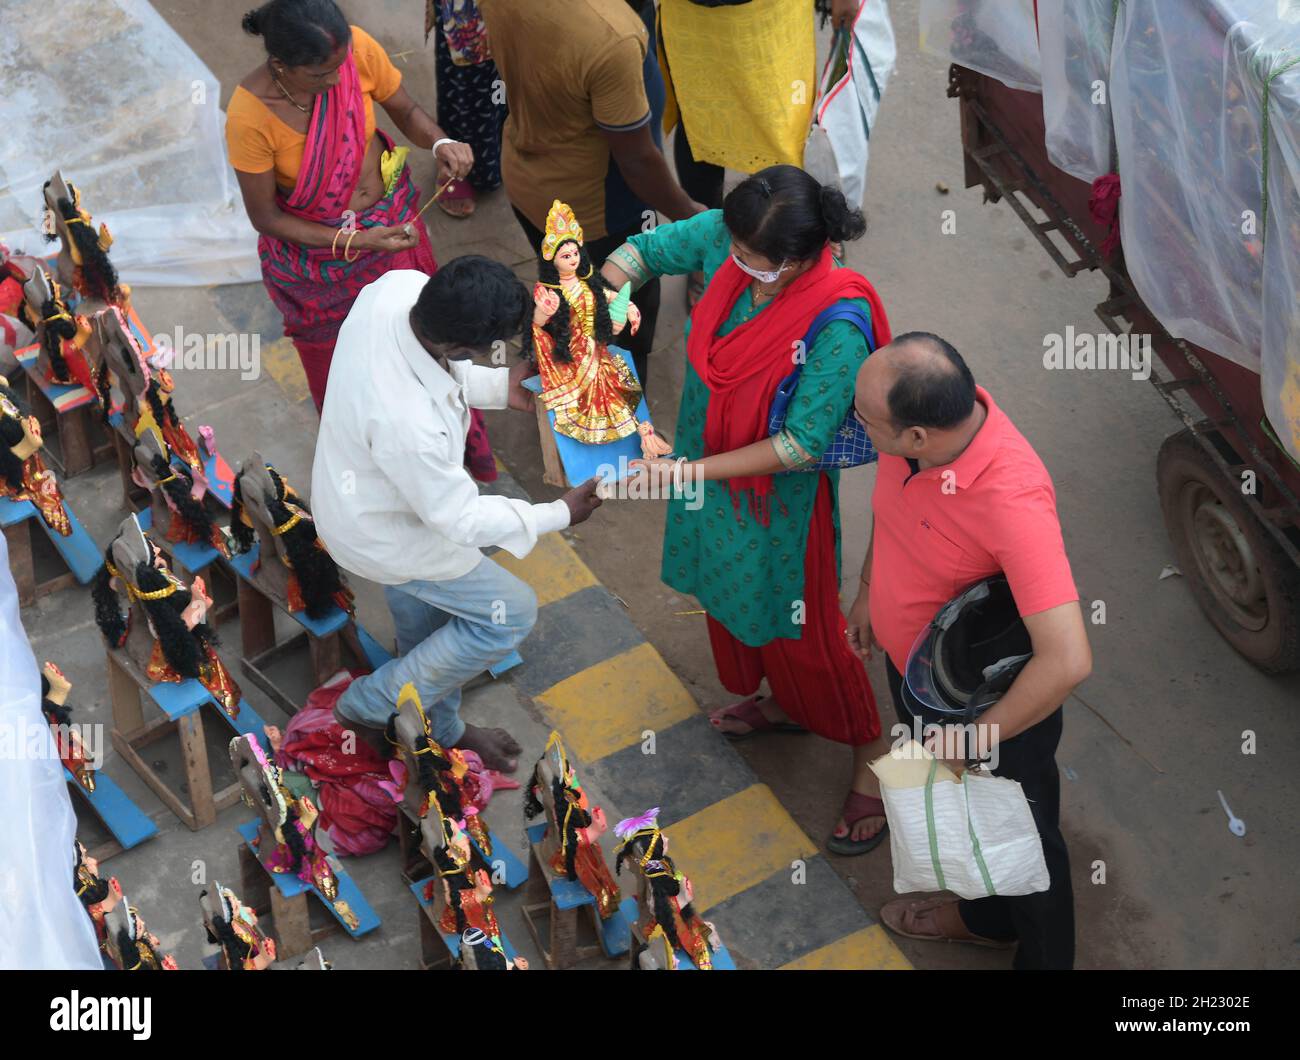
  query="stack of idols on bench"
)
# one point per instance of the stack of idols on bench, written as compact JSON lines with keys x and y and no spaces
{"x":62,"y":296}
{"x":669,"y":935}
{"x":567,"y":869}
{"x":283,"y":568}
{"x":119,"y":929}
{"x":450,"y":857}
{"x":59,"y":367}
{"x":183,"y":524}
{"x":30,"y":498}
{"x":281,"y":861}
{"x":163,"y":647}
{"x":232,"y":926}
{"x":127,"y":824}
{"x":441,"y":777}
{"x":136,"y":396}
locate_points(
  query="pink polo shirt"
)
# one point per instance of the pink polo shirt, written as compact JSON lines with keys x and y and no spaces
{"x":940,"y":530}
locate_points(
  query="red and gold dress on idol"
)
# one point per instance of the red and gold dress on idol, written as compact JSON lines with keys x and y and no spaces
{"x":24,"y":476}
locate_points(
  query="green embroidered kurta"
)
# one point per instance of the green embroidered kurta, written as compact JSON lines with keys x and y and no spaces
{"x":748,"y":576}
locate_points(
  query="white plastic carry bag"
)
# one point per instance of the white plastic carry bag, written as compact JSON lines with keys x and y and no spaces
{"x":848,"y":97}
{"x":974,"y":837}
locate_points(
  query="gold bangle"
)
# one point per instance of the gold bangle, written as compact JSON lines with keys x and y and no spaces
{"x":334,"y":243}
{"x":348,"y":246}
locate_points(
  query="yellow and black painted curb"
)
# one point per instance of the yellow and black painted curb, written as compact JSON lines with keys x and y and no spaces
{"x":640,"y":736}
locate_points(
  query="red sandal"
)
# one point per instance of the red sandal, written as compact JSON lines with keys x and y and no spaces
{"x":747,"y":713}
{"x":856,"y":807}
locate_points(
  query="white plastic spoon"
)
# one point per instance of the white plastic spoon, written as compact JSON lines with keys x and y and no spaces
{"x":1235,"y":824}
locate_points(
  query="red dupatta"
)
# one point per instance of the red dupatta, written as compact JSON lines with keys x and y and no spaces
{"x":743,"y":368}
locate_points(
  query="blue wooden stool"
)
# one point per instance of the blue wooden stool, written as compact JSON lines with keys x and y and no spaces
{"x":79,"y":553}
{"x":287,"y":900}
{"x":181,"y":705}
{"x":439,"y":949}
{"x":128,"y":824}
{"x":560,"y":899}
{"x":325,"y":637}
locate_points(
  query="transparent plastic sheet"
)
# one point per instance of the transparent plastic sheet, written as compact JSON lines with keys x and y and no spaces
{"x":1187,"y":132}
{"x":995,"y":37}
{"x":119,"y":103}
{"x":42,"y":922}
{"x":1265,"y":55}
{"x":1075,"y":38}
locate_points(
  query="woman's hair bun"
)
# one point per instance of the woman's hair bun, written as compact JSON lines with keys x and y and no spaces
{"x":252,"y":23}
{"x":843,"y":222}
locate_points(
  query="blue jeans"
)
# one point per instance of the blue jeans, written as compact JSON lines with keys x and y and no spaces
{"x":447,"y":632}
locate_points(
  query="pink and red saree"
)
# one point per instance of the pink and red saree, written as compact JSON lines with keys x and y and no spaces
{"x":314,"y":288}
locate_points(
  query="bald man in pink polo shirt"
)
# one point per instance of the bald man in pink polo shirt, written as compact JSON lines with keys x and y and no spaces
{"x":960,"y":495}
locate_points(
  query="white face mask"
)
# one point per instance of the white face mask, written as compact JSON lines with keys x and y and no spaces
{"x":759,"y":274}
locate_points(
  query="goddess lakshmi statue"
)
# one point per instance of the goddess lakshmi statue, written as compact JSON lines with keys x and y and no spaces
{"x":575,"y":824}
{"x":176,"y":514}
{"x":83,"y":263}
{"x":146,"y":392}
{"x":66,"y":349}
{"x":233,"y":926}
{"x":54,"y":697}
{"x":23,"y":474}
{"x":466,"y":891}
{"x":286,"y":838}
{"x":98,"y":895}
{"x":292,"y":564}
{"x":666,"y":908}
{"x":436,"y":780}
{"x":165,"y":630}
{"x":130,"y":944}
{"x":588,"y":386}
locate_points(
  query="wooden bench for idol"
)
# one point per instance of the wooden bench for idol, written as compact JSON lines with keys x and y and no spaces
{"x":78,"y":551}
{"x":440,"y":949}
{"x":181,"y":704}
{"x":285,"y":896}
{"x":128,"y":825}
{"x":559,"y":900}
{"x":68,"y":412}
{"x":335,"y":641}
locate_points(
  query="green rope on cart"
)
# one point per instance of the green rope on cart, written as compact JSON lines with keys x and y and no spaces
{"x":1263,"y":125}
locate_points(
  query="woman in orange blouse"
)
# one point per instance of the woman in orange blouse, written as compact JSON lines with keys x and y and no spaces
{"x":327,"y":190}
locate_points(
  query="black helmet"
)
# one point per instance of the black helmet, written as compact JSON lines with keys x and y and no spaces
{"x":965,"y":660}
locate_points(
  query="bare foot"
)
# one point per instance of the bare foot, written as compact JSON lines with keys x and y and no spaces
{"x":496,"y":747}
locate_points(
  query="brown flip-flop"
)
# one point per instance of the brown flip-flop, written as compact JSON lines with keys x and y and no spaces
{"x":893,"y":914}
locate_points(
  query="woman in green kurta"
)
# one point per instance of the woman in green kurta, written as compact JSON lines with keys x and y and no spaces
{"x":762,"y":552}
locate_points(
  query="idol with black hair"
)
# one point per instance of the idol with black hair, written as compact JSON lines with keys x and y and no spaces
{"x":23,"y":474}
{"x":54,"y":325}
{"x":96,"y":277}
{"x":647,"y":848}
{"x":312,"y":569}
{"x":191,"y":522}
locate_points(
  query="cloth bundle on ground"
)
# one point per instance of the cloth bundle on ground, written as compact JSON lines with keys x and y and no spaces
{"x":356,"y":811}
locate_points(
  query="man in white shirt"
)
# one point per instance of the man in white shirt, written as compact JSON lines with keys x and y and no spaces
{"x":394,"y":504}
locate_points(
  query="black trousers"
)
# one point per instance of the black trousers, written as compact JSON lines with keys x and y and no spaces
{"x":702,"y":181}
{"x":646,"y":299}
{"x":1043,"y":923}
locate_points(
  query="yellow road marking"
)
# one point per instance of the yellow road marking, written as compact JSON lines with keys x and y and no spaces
{"x":553,"y":569}
{"x":870,"y":948}
{"x":607,"y":707}
{"x":730,"y":846}
{"x":280,"y":359}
